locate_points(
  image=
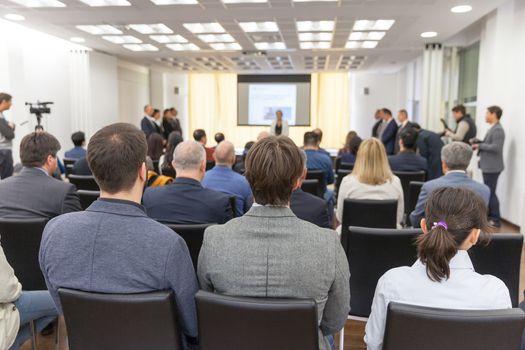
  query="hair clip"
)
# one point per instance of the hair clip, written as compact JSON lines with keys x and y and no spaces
{"x":440,"y":223}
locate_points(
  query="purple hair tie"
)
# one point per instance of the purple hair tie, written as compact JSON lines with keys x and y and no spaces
{"x":440,"y":223}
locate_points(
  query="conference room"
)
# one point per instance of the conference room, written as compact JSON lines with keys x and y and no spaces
{"x":261,"y":174}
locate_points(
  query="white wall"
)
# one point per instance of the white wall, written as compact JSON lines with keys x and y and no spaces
{"x":133,"y":92}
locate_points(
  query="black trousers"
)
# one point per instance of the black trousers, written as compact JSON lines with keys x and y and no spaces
{"x":6,"y":163}
{"x":491,"y":180}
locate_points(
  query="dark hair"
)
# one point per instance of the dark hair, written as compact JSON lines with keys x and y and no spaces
{"x":416,"y":126}
{"x":459,"y":109}
{"x":403,"y":111}
{"x":155,"y":111}
{"x":409,"y":137}
{"x":174,"y":138}
{"x":462,"y":210}
{"x":310,"y":138}
{"x":155,"y":146}
{"x":198,"y":134}
{"x":115,"y":154}
{"x":166,"y":111}
{"x":36,"y":147}
{"x":496,"y":110}
{"x":386,"y":111}
{"x":219,"y":137}
{"x":351,"y":134}
{"x":78,"y":138}
{"x":5,"y":97}
{"x":319,"y":133}
{"x":273,"y":166}
{"x":247,"y":148}
{"x":354,"y":145}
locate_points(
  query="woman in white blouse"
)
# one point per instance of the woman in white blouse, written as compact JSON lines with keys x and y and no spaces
{"x":443,"y":276}
{"x":371,"y":179}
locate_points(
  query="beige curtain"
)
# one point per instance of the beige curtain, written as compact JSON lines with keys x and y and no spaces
{"x":213,"y":107}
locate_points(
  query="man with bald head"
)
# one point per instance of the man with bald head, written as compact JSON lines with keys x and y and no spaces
{"x":222,"y":178}
{"x":186,"y":201}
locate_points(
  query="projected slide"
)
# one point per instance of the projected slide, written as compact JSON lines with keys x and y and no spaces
{"x":266,"y":99}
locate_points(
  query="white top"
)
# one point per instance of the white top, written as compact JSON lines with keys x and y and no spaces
{"x":352,"y":188}
{"x":10,"y":290}
{"x":284,"y":131}
{"x":464,"y":290}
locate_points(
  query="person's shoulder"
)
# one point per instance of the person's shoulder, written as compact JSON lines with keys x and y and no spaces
{"x":308,"y":197}
{"x":213,"y":194}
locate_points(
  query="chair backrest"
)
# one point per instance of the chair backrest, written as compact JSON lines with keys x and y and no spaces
{"x":340,"y":174}
{"x":369,"y":213}
{"x":241,"y":323}
{"x":193,"y":236}
{"x":69,"y":161}
{"x":414,"y":188}
{"x":501,"y":258}
{"x":371,"y":253}
{"x":410,"y":327}
{"x":320,"y":176}
{"x":21,"y":243}
{"x":68,"y":164}
{"x":87,"y":197}
{"x":84,"y":182}
{"x":311,"y":186}
{"x":120,"y":321}
{"x":406,"y":177}
{"x":210,"y":164}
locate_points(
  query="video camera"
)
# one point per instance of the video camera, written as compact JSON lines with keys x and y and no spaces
{"x":38,"y":108}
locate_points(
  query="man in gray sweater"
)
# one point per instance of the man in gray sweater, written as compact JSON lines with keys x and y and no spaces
{"x":271,"y":253}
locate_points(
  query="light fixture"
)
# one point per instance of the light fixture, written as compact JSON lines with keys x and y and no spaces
{"x":367,"y":35}
{"x":201,"y":28}
{"x":175,"y":2}
{"x":14,"y":17}
{"x":124,"y":39}
{"x":315,"y":0}
{"x":315,"y":26}
{"x":315,"y":36}
{"x":226,"y":46}
{"x":183,"y":47}
{"x":270,"y":46}
{"x":165,"y":39}
{"x":254,"y":27}
{"x":308,"y":45}
{"x":244,"y":1}
{"x":158,"y":28}
{"x":99,"y":29}
{"x":140,"y":47}
{"x":429,"y":34}
{"x":216,"y":38}
{"x":461,"y":9}
{"x":77,"y":39}
{"x":102,"y":3}
{"x":380,"y":24}
{"x":39,"y":3}
{"x":361,"y":44}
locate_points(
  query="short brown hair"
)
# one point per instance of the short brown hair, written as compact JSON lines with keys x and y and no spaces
{"x":492,"y":109}
{"x":5,"y":97}
{"x":36,"y":147}
{"x":115,"y":153}
{"x":459,"y":109}
{"x":273,"y":166}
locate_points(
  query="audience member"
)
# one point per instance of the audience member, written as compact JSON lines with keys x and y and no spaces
{"x":148,"y":123}
{"x":263,"y":135}
{"x":377,"y":129}
{"x":133,"y":253}
{"x":279,"y":126}
{"x":175,"y":120}
{"x":81,"y":167}
{"x":185,"y":201}
{"x":77,"y":152}
{"x":455,"y":158}
{"x":429,"y":145}
{"x":199,"y":135}
{"x":239,"y":166}
{"x":167,"y":125}
{"x":407,"y":159}
{"x":219,"y":137}
{"x":465,"y":128}
{"x":154,"y":179}
{"x":319,"y":134}
{"x":491,"y":159}
{"x":165,"y":161}
{"x":346,"y":147}
{"x":269,"y":252}
{"x":155,"y":146}
{"x":388,"y":136}
{"x":443,"y":276}
{"x":223,"y":179}
{"x":34,"y":193}
{"x":349,"y":158}
{"x":7,"y":134}
{"x":308,"y":207}
{"x":317,"y":160}
{"x":371,"y":179}
{"x":404,"y":124}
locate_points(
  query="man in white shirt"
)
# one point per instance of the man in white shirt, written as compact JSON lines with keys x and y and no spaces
{"x":148,"y":123}
{"x":404,"y":124}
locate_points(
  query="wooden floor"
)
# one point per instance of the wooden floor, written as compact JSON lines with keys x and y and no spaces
{"x":354,"y":330}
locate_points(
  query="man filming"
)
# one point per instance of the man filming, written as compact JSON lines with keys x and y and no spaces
{"x":7,"y":134}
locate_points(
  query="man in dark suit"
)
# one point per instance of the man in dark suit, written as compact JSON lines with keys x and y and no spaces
{"x":148,"y":124}
{"x":404,"y":124}
{"x":185,"y":201}
{"x":377,"y":129}
{"x":429,"y":145}
{"x":407,"y":159}
{"x":389,"y":134}
{"x":34,"y":193}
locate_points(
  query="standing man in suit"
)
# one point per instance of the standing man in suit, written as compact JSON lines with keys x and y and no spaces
{"x":185,"y":201}
{"x":407,"y":159}
{"x":7,"y":134}
{"x":34,"y":193}
{"x":465,"y":128}
{"x":491,"y":159}
{"x":377,"y":129}
{"x":404,"y":124}
{"x":429,"y":145}
{"x":269,"y":252}
{"x":388,"y":136}
{"x":148,"y":123}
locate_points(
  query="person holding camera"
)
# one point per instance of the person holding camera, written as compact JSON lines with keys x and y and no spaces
{"x":7,"y":134}
{"x":491,"y":159}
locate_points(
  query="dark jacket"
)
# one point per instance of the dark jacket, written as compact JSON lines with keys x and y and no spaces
{"x":408,"y":161}
{"x":400,"y":129}
{"x":81,"y":167}
{"x":375,"y":127}
{"x":389,"y":136}
{"x":310,"y":208}
{"x":171,"y":125}
{"x":429,"y":145}
{"x":149,"y":127}
{"x":472,"y":130}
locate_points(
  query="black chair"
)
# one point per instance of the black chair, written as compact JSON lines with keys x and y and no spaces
{"x":233,"y":204}
{"x":340,"y":174}
{"x":320,"y":177}
{"x":84,"y":182}
{"x":156,"y":166}
{"x":193,"y":236}
{"x":68,"y":164}
{"x":210,"y":164}
{"x":406,"y":177}
{"x":500,"y":258}
{"x":414,"y":188}
{"x":340,"y":165}
{"x":87,"y":197}
{"x":120,"y":321}
{"x":241,"y":323}
{"x":371,"y":253}
{"x":410,"y":327}
{"x":311,"y":186}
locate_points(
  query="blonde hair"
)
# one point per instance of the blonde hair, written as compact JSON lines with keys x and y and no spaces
{"x":371,"y":165}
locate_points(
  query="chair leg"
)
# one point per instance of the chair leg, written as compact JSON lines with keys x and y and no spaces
{"x":342,"y":339}
{"x":57,"y":333}
{"x":33,"y":335}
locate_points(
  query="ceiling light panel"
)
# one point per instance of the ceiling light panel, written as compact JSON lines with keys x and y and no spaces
{"x":175,"y":2}
{"x":381,"y":24}
{"x":315,"y":36}
{"x":39,"y":3}
{"x":183,"y":47}
{"x":158,"y":28}
{"x":429,"y":34}
{"x":141,"y":47}
{"x":254,"y":27}
{"x":315,"y":26}
{"x":361,"y":44}
{"x":216,"y":38}
{"x":202,"y":28}
{"x":103,"y":29}
{"x":122,"y":39}
{"x":166,"y":39}
{"x":14,"y":17}
{"x":315,"y":0}
{"x":244,"y":1}
{"x":101,"y":3}
{"x":461,"y":9}
{"x":367,"y":35}
{"x":308,"y":45}
{"x":226,"y":46}
{"x":270,"y":46}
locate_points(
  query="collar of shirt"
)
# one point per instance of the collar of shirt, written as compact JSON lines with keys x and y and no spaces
{"x":456,"y":171}
{"x":255,"y":204}
{"x":42,"y":170}
{"x":460,"y":261}
{"x":403,"y":124}
{"x":123,"y":201}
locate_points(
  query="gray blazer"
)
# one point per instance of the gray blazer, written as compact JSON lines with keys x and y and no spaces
{"x":491,"y":150}
{"x":269,"y":252}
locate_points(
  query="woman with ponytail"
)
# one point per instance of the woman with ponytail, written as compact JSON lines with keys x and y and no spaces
{"x":443,"y":276}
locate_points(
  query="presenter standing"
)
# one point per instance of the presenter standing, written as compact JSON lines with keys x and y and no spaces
{"x":7,"y":134}
{"x":279,"y":126}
